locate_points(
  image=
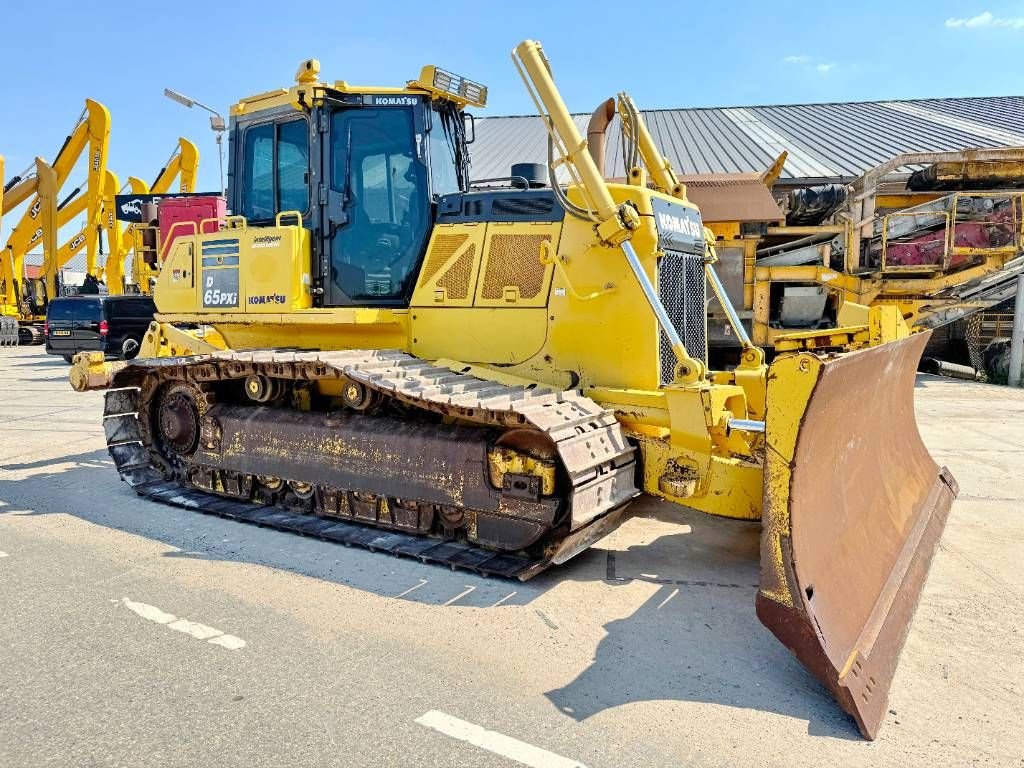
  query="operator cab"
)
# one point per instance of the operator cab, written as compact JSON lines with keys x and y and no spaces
{"x":365,"y":168}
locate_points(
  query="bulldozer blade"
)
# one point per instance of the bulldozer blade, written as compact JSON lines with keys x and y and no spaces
{"x":854,"y":508}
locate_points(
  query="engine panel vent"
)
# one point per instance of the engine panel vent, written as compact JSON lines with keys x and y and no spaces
{"x":522,"y":206}
{"x":513,"y":261}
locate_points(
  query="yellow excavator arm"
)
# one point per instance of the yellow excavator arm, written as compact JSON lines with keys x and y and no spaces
{"x":42,"y":186}
{"x":92,"y":133}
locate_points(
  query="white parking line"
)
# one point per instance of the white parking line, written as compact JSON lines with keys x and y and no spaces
{"x":492,"y":741}
{"x":460,"y":595}
{"x":192,"y":628}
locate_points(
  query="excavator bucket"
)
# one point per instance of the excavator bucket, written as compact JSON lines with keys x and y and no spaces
{"x":854,"y":508}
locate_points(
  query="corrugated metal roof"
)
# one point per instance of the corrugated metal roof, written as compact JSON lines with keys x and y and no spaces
{"x":838,"y":140}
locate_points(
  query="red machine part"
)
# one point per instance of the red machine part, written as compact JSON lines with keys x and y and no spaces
{"x":184,"y":216}
{"x":993,"y":231}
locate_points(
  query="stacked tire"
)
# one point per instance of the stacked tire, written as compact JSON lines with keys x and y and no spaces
{"x":997,"y":361}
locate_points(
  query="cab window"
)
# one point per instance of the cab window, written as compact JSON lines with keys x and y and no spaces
{"x":375,"y":165}
{"x":276,"y":169}
{"x":444,"y":171}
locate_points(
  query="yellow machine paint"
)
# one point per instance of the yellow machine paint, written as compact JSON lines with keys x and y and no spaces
{"x":41,"y":186}
{"x":586,"y":287}
{"x":90,"y":137}
{"x":101,"y":232}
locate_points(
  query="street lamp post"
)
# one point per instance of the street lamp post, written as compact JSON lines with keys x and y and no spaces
{"x":217,"y":123}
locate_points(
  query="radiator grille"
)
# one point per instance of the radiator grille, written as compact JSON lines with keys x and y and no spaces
{"x":514,"y":260}
{"x":682,"y":288}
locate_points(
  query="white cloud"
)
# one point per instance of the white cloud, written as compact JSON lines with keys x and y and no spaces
{"x":986,"y":19}
{"x":807,"y":63}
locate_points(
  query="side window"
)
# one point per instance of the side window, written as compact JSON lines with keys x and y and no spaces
{"x":443,"y":174}
{"x":276,"y":169}
{"x":144,"y":307}
{"x":292,"y":166}
{"x":375,"y":163}
{"x":89,"y":309}
{"x":258,"y":202}
{"x":137,"y":308}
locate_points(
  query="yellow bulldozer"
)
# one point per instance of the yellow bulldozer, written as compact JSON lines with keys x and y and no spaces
{"x":376,"y":351}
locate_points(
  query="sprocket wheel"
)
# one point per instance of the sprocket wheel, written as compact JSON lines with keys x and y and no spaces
{"x":178,"y":411}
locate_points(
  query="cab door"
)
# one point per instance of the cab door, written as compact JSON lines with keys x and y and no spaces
{"x":377,"y":205}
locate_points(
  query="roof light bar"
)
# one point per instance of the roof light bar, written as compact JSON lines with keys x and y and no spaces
{"x":447,"y":84}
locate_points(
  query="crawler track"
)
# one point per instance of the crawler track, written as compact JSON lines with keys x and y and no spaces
{"x":594,"y":454}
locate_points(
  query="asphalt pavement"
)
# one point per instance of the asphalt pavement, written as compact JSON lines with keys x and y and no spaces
{"x":133,"y":633}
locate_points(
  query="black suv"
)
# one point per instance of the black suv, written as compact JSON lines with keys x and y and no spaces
{"x":111,"y":324}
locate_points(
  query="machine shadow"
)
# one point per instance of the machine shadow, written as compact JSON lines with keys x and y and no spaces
{"x":35,"y":362}
{"x":90,"y":476}
{"x":696,"y":638}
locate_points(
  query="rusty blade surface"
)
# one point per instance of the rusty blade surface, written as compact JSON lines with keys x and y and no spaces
{"x":854,"y":508}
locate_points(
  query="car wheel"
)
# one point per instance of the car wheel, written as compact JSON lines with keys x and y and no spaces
{"x":68,"y":358}
{"x":129,"y":348}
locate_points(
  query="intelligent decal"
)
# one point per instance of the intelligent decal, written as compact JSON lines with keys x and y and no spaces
{"x":266,"y":241}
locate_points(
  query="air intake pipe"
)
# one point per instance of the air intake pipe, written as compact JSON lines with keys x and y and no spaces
{"x":597,"y":129}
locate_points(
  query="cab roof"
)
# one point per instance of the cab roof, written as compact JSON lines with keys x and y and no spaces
{"x":433,"y":82}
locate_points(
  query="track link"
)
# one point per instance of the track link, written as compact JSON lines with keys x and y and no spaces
{"x":593,"y":450}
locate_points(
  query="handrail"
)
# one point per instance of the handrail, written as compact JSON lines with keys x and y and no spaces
{"x":282,"y":214}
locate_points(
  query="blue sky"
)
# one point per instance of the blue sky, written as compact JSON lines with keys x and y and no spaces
{"x":665,"y":54}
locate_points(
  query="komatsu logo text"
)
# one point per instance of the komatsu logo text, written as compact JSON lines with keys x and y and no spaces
{"x":672,"y":223}
{"x":270,"y":298}
{"x":394,"y":101}
{"x":679,"y":227}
